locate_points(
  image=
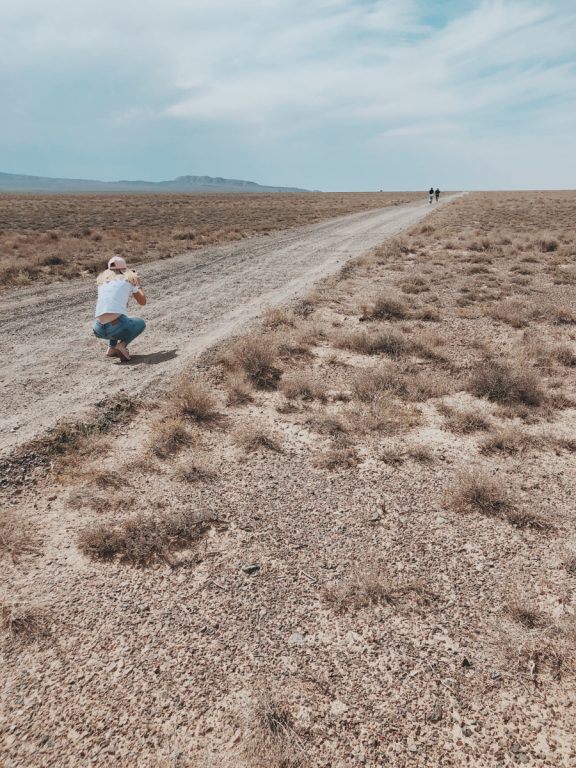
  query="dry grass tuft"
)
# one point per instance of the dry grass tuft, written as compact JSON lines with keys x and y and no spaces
{"x":257,"y":357}
{"x":369,"y":384}
{"x":387,"y":341}
{"x":463,"y":421}
{"x":253,"y":437}
{"x":476,"y":491}
{"x":385,"y":306}
{"x":527,"y":615}
{"x":414,"y":284}
{"x":143,"y":540}
{"x":371,"y":586}
{"x":506,"y":384}
{"x":25,"y":623}
{"x":169,"y":436}
{"x":269,"y":736}
{"x":513,"y":313}
{"x":239,"y":389}
{"x":508,"y":440}
{"x":303,"y":385}
{"x":383,"y":415}
{"x":274,"y":317}
{"x":338,"y":457}
{"x":194,"y":472}
{"x":420,"y":452}
{"x":193,"y":400}
{"x":15,"y":537}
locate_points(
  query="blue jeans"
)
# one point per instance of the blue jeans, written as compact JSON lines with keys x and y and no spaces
{"x":124,"y":329}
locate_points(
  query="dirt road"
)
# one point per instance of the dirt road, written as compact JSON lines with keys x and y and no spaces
{"x":53,"y":367}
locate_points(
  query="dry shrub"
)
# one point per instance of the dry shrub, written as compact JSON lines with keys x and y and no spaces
{"x":369,"y":384}
{"x":169,"y":436}
{"x":511,"y":312}
{"x":414,"y":284}
{"x":24,"y":623}
{"x":338,"y":457}
{"x":546,"y":244}
{"x":476,"y":491}
{"x":508,"y":440}
{"x":383,"y":415}
{"x":194,"y":400}
{"x":385,"y":306}
{"x":420,"y":452}
{"x":386,"y":341}
{"x":371,"y":586}
{"x":328,"y":424}
{"x":425,"y":344}
{"x":239,"y":389}
{"x":269,"y":736}
{"x":558,"y":315}
{"x":428,"y":313}
{"x":194,"y":472}
{"x":526,"y":519}
{"x":506,"y":384}
{"x":303,"y":385}
{"x":539,"y":646}
{"x":253,"y":437}
{"x":15,"y":536}
{"x":257,"y":356}
{"x":143,"y":540}
{"x":274,"y":317}
{"x":463,"y":421}
{"x":527,"y":615}
{"x":391,"y":250}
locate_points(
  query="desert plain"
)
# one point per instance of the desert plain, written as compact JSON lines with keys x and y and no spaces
{"x":342,"y":536}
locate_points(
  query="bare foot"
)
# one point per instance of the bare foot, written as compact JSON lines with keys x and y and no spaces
{"x":122,"y":350}
{"x":112,"y":352}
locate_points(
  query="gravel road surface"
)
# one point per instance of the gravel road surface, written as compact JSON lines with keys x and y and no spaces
{"x":53,"y":366}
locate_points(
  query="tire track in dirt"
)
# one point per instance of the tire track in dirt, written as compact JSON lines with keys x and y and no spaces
{"x":53,"y":367}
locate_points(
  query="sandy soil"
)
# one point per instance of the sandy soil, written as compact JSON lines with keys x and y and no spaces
{"x":53,"y":367}
{"x":345,"y":613}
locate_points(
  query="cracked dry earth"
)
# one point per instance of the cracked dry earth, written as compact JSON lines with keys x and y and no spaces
{"x":343,"y":601}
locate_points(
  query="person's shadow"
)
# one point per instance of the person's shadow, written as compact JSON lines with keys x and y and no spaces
{"x":153,"y":358}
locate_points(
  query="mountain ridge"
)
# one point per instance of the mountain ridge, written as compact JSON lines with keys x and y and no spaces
{"x":13,"y":182}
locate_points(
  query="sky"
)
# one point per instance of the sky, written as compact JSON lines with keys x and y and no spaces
{"x":338,"y":95}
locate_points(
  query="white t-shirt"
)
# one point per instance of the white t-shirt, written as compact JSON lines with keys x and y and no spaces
{"x":113,"y":297}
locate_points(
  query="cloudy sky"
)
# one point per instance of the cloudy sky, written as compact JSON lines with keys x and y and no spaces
{"x":327,"y":94}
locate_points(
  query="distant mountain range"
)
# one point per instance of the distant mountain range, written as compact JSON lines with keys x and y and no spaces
{"x":11,"y":182}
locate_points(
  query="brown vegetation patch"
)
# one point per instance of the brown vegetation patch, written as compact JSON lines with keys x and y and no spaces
{"x":143,"y":540}
{"x":16,"y":538}
{"x":385,"y":306}
{"x":253,"y":437}
{"x":463,"y":421}
{"x":168,"y":436}
{"x":506,"y":384}
{"x":476,"y":491}
{"x":257,"y":357}
{"x":193,"y":399}
{"x":24,"y":623}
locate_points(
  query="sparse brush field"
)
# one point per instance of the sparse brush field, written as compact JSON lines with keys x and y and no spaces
{"x":58,"y":237}
{"x":346,"y":539}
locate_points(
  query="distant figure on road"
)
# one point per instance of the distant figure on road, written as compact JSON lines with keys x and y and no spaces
{"x":437,"y":193}
{"x":431,"y":194}
{"x":115,"y":286}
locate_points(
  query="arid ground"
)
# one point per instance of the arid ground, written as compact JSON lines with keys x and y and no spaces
{"x":343,"y":538}
{"x":57,"y":237}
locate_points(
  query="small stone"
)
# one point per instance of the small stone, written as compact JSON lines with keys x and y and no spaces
{"x":436,"y":713}
{"x":251,"y":569}
{"x":296,"y":639}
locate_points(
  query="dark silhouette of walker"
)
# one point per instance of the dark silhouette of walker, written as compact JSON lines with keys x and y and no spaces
{"x":437,"y":193}
{"x":432,"y":193}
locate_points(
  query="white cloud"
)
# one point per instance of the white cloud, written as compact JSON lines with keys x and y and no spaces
{"x":295,"y":68}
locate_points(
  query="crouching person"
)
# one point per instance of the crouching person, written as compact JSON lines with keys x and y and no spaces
{"x":115,"y":287}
